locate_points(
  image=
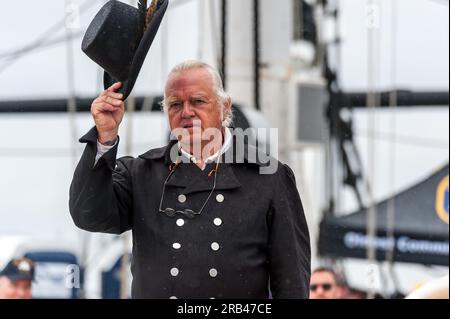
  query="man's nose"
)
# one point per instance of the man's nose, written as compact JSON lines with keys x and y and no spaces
{"x":22,"y":293}
{"x":319,"y":290}
{"x":187,"y":111}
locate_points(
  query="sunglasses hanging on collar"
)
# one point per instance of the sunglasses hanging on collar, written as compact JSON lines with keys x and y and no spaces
{"x":189,"y":213}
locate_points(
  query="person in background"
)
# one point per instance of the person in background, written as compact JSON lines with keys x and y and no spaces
{"x":325,"y":284}
{"x":16,"y":279}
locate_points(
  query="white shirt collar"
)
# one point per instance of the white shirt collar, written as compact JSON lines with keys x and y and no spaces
{"x":226,"y":145}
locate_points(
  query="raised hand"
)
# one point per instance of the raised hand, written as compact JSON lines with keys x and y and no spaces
{"x":108,"y":110}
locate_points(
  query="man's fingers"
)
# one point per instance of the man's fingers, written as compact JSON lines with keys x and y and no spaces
{"x":114,"y":87}
{"x":111,"y":91}
{"x":106,"y":107}
{"x":103,"y":106}
{"x":109,"y":100}
{"x":115,"y":95}
{"x":112,"y":100}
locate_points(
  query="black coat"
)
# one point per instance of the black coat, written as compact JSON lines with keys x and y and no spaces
{"x":251,"y":235}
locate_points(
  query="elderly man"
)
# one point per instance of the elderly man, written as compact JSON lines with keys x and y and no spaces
{"x":206,"y":223}
{"x":16,"y":279}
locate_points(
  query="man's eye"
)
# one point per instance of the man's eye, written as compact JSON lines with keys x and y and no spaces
{"x":175,"y":105}
{"x":198,"y":101}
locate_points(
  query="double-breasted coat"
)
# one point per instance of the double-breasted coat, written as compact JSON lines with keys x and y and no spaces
{"x":251,"y":237}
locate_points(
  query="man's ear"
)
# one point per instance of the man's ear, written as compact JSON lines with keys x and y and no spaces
{"x":227,"y":107}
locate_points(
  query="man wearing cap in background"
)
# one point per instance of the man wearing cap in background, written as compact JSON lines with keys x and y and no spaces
{"x":16,"y":279}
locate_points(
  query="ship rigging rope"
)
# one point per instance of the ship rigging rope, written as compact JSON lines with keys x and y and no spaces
{"x":257,"y":54}
{"x":373,"y":62}
{"x":71,"y":101}
{"x":47,"y":39}
{"x":223,"y":55}
{"x":393,"y":102}
{"x":42,"y":41}
{"x":71,"y":113}
{"x":215,"y":36}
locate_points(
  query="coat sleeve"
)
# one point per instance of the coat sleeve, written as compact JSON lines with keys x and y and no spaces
{"x":289,"y":243}
{"x":101,"y":196}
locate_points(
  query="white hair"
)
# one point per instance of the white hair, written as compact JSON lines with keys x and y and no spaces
{"x":221,"y":95}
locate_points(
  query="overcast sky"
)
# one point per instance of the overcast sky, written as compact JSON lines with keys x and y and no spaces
{"x":421,"y":53}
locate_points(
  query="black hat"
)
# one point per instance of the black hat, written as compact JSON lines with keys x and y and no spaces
{"x":119,"y":38}
{"x":19,"y":269}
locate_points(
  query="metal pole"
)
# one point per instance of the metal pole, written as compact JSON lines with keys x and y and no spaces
{"x":373,"y":63}
{"x":256,"y":54}
{"x":72,"y":11}
{"x":223,"y":56}
{"x":390,"y":223}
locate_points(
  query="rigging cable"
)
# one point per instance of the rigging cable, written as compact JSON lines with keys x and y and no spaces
{"x":223,"y":63}
{"x":71,"y":23}
{"x":257,"y":54}
{"x":45,"y":40}
{"x":390,"y":222}
{"x":215,"y":36}
{"x":13,"y":56}
{"x":373,"y":12}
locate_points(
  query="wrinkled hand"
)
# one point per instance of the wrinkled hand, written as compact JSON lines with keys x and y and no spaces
{"x":108,"y":110}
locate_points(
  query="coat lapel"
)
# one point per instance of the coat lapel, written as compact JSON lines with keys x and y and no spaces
{"x":226,"y":179}
{"x":192,"y":179}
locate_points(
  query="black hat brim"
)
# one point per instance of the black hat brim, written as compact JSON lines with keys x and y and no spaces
{"x":140,"y":55}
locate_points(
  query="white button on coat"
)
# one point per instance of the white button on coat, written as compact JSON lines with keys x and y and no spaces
{"x":174,"y":272}
{"x":217,"y":221}
{"x":176,"y":246}
{"x":213,"y":272}
{"x":215,"y":246}
{"x":220,"y":198}
{"x":180,"y":222}
{"x":182,"y":198}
